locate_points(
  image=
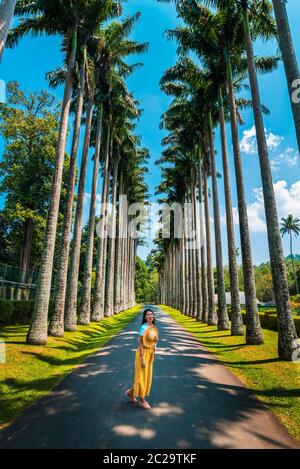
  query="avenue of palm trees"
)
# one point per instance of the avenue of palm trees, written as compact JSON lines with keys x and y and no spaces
{"x":206,"y":93}
{"x":221,"y":34}
{"x":96,"y":46}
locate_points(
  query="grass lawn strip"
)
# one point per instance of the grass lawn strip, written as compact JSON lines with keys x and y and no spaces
{"x":30,"y":372}
{"x":274,"y":382}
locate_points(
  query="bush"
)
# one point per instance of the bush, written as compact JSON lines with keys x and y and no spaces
{"x":17,"y":312}
{"x":296,"y":307}
{"x":6,"y":311}
{"x":295,"y":298}
{"x":269,"y":321}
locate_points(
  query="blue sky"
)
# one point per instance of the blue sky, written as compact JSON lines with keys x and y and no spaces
{"x":29,"y":62}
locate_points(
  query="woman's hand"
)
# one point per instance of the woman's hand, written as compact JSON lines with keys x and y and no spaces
{"x":155,"y":338}
{"x":143,"y":363}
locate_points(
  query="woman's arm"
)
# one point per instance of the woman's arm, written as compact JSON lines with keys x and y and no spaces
{"x":141,"y":350}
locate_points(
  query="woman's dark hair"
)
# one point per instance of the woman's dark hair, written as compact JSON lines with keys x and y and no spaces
{"x":144,"y":315}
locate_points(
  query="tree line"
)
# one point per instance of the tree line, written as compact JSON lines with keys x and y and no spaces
{"x":95,"y":46}
{"x":206,"y":93}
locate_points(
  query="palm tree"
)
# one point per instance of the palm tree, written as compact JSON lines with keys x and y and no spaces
{"x":109,"y":296}
{"x":236,"y":316}
{"x":56,"y":326}
{"x":287,"y":336}
{"x":211,"y":36}
{"x":70,"y":319}
{"x":291,"y":226}
{"x":99,"y":293}
{"x":223,"y":321}
{"x":85,"y":308}
{"x":43,"y":20}
{"x":255,"y":16}
{"x":125,"y":110}
{"x":211,"y":319}
{"x":7,"y":8}
{"x":202,"y":243}
{"x":289,"y":59}
{"x":115,"y":46}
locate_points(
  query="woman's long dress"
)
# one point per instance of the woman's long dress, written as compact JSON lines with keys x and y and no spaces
{"x":143,"y":376}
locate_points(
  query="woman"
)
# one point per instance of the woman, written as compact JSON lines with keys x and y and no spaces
{"x":144,"y":358}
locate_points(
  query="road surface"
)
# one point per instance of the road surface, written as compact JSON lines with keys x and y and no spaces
{"x":196,"y":402}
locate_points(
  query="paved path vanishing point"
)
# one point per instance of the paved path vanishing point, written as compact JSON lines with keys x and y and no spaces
{"x":197,"y":402}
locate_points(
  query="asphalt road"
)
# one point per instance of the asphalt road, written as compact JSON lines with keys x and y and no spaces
{"x":196,"y":402}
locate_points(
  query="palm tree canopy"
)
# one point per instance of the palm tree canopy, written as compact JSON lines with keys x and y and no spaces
{"x":290,"y":225}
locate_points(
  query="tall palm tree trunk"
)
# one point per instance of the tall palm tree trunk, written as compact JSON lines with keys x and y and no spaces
{"x":72,"y":287}
{"x":109,"y":300}
{"x":85,"y":308}
{"x":186,"y":255}
{"x":289,"y":59}
{"x":37,"y":333}
{"x":56,"y":326}
{"x":134,"y":248}
{"x":98,"y":307}
{"x":236,"y":316}
{"x":197,"y":257}
{"x":171,"y":257}
{"x":287,"y":336}
{"x":119,"y":247}
{"x":182,"y":274}
{"x":129,"y":272}
{"x":202,"y":248}
{"x":223,"y":320}
{"x":7,"y":8}
{"x":254,"y":334}
{"x":123,"y":257}
{"x":127,"y":259}
{"x":212,"y":319}
{"x":174,"y":274}
{"x":293,"y":264}
{"x":177,"y":280}
{"x":25,"y":255}
{"x":124,"y":262}
{"x":175,"y":277}
{"x":190,"y":259}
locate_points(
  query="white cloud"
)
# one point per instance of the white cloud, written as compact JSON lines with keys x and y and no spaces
{"x":288,"y":201}
{"x":273,"y":141}
{"x":289,"y":157}
{"x":248,"y":142}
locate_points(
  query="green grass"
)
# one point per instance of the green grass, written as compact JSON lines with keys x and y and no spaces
{"x":30,"y":372}
{"x":274,"y":382}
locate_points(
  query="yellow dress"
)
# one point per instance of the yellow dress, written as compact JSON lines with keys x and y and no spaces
{"x":143,"y":376}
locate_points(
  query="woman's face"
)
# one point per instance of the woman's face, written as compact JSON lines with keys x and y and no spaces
{"x":149,"y":316}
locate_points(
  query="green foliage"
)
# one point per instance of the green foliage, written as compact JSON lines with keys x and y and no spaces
{"x":17,"y":312}
{"x":263,"y":279}
{"x":141,"y":280}
{"x":146,"y":282}
{"x":264,"y":284}
{"x":29,"y":126}
{"x":269,"y":321}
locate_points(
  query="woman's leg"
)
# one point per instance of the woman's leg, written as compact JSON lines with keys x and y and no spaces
{"x":129,"y":393}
